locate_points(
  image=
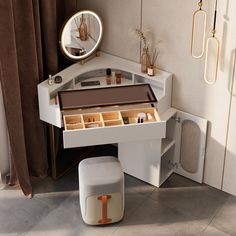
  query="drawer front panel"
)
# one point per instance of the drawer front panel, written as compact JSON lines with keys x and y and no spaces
{"x":114,"y":134}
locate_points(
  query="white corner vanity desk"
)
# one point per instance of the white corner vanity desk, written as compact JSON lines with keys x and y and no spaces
{"x":169,"y":141}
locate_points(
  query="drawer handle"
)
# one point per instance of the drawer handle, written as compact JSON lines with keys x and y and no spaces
{"x":104,"y":200}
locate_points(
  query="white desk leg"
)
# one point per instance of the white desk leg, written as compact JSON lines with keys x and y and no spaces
{"x":142,"y":159}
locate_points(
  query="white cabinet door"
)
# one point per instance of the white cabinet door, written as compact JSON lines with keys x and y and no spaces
{"x":190,"y":137}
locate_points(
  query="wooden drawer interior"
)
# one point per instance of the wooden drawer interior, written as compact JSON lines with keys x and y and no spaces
{"x":113,"y":123}
{"x":72,"y":119}
{"x":108,"y":119}
{"x":88,"y":118}
{"x":132,"y":115}
{"x":108,"y":116}
{"x":93,"y":125}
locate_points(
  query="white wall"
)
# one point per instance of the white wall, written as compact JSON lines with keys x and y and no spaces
{"x":4,"y":144}
{"x":229,"y":183}
{"x":171,"y":20}
{"x":118,"y":17}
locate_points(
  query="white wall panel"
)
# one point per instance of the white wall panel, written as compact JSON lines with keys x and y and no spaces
{"x":118,"y":17}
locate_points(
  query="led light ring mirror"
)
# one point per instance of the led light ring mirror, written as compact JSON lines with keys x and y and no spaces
{"x":71,"y":43}
{"x":197,"y":16}
{"x":212,"y":55}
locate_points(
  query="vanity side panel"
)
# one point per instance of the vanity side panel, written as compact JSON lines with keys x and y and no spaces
{"x":50,"y":113}
{"x":165,"y":102}
{"x":142,"y":159}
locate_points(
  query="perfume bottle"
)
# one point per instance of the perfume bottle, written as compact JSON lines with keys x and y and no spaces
{"x":118,"y":77}
{"x":83,"y":31}
{"x":144,"y":60}
{"x":108,"y":76}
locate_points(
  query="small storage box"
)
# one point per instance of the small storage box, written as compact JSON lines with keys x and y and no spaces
{"x":101,"y":187}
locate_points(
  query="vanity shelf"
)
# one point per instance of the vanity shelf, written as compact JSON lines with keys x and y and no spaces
{"x":167,"y":166}
{"x":166,"y":144}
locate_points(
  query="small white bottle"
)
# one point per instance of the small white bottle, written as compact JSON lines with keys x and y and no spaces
{"x":50,"y":80}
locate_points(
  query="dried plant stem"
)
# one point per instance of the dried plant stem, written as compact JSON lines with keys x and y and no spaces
{"x":141,"y":36}
{"x":76,"y":22}
{"x":154,"y":57}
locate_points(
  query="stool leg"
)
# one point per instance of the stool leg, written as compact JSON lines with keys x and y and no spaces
{"x":104,"y":200}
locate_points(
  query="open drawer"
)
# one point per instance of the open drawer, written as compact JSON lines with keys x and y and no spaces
{"x":112,"y":127}
{"x":116,"y":124}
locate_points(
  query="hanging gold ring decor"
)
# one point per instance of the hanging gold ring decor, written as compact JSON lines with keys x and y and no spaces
{"x":212,"y":55}
{"x":197,"y":15}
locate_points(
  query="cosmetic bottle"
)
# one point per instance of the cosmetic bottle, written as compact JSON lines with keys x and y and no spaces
{"x":83,"y":29}
{"x":108,"y":76}
{"x":50,"y":80}
{"x":113,"y":81}
{"x":118,"y":77}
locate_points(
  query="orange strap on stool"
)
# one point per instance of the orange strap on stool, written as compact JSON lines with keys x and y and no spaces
{"x":104,"y":199}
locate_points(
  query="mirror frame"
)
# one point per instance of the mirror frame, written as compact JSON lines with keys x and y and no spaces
{"x":62,"y":34}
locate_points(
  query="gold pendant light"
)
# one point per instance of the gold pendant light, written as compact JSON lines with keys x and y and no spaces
{"x":198,"y":23}
{"x":212,"y":55}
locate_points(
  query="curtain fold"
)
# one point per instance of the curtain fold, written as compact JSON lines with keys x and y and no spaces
{"x":28,"y":52}
{"x":4,"y":144}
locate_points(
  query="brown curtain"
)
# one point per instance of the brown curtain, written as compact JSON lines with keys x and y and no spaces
{"x":29,"y":51}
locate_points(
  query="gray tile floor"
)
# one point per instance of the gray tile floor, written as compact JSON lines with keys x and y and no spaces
{"x":179,"y":207}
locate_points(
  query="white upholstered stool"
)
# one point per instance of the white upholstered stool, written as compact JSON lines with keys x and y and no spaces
{"x":101,"y":188}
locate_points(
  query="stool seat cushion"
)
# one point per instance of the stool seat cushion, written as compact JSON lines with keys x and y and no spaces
{"x":100,"y":174}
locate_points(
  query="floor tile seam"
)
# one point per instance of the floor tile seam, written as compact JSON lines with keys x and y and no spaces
{"x":216,"y":229}
{"x":214,"y":215}
{"x":202,"y":232}
{"x":132,"y":212}
{"x":151,"y":192}
{"x":145,"y":195}
{"x":48,"y":205}
{"x":44,"y":216}
{"x":178,"y":211}
{"x":38,"y":221}
{"x":112,"y":233}
{"x":211,"y":220}
{"x":217,"y":212}
{"x":223,"y":229}
{"x":138,"y":206}
{"x":169,"y":207}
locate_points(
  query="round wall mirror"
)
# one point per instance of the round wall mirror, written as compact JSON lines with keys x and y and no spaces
{"x":81,"y":35}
